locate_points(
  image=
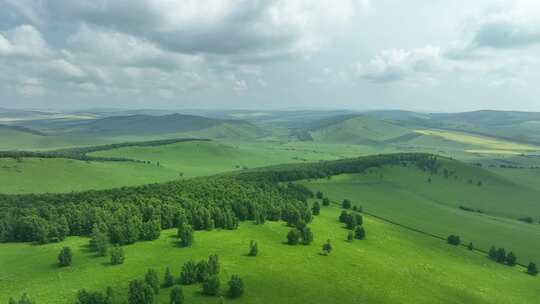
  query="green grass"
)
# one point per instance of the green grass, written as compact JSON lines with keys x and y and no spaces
{"x":17,"y":140}
{"x":403,"y":195}
{"x":393,"y":265}
{"x":39,"y":175}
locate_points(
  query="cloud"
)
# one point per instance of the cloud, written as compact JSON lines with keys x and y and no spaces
{"x":24,"y":41}
{"x":399,"y":64}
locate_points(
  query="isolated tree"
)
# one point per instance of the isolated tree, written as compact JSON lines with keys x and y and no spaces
{"x":65,"y":257}
{"x":176,"y":296}
{"x":454,"y":240}
{"x":350,"y":236}
{"x":327,"y":247}
{"x":213,"y":264}
{"x":236,"y":286}
{"x":188,"y":275}
{"x":511,"y":259}
{"x":168,"y":278}
{"x":359,"y":233}
{"x":307,"y":236}
{"x":346,"y":204}
{"x":326,"y":201}
{"x":186,"y":235}
{"x":470,"y":246}
{"x":140,"y":293}
{"x":531,"y":269}
{"x":293,"y":236}
{"x":316,"y":208}
{"x":253,"y":248}
{"x":210,"y":287}
{"x":151,"y":278}
{"x":117,"y":255}
{"x":344,"y":216}
{"x":203,"y":271}
{"x":501,"y":255}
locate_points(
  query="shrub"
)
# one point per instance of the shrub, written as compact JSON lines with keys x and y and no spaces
{"x":236,"y":286}
{"x":65,"y":257}
{"x":176,"y":296}
{"x":117,"y":255}
{"x":211,"y":286}
{"x":293,"y":237}
{"x":253,"y":248}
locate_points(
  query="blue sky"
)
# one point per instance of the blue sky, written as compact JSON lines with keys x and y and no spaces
{"x":358,"y":54}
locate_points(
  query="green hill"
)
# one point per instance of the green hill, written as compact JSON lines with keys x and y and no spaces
{"x":354,"y":129}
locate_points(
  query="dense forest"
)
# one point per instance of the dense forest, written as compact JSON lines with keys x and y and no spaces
{"x":130,"y":214}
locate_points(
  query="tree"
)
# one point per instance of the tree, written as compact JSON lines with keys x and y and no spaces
{"x":307,"y":236}
{"x":203,"y":271}
{"x":65,"y":257}
{"x":151,"y":230}
{"x":470,"y":246}
{"x":186,"y":235}
{"x":352,"y":222}
{"x":168,"y":278}
{"x":151,"y":278}
{"x":189,"y":273}
{"x":454,"y":240}
{"x":319,"y":195}
{"x":210,"y":287}
{"x":99,"y":241}
{"x":344,"y":216}
{"x":176,"y":296}
{"x":91,"y":297}
{"x":531,"y":269}
{"x":346,"y":204}
{"x":326,"y":201}
{"x":501,"y":255}
{"x":350,"y":236}
{"x":117,"y":255}
{"x":213,"y":264}
{"x":316,"y":208}
{"x":236,"y":286}
{"x":327,"y":247}
{"x":492,"y":253}
{"x":359,"y":233}
{"x":253,"y":248}
{"x":511,"y":259}
{"x":293,"y":236}
{"x":140,"y":293}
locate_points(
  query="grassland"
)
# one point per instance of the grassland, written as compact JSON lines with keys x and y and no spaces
{"x":393,"y":265}
{"x":405,"y":196}
{"x":18,"y":140}
{"x":39,"y":175}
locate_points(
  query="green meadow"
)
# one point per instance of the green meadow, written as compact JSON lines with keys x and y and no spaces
{"x":392,"y":265}
{"x":405,"y":196}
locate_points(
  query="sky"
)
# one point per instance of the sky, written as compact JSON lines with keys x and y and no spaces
{"x":423,"y":55}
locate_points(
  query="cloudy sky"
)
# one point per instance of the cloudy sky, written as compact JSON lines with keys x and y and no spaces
{"x":430,"y":55}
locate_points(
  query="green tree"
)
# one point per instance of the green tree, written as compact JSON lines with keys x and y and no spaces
{"x":511,"y":259}
{"x":307,"y":236}
{"x":501,"y":255}
{"x":168,"y":278}
{"x":151,"y":278}
{"x":203,"y":271}
{"x":470,"y":246}
{"x":532,"y":269}
{"x":140,"y":293}
{"x":213,"y":264}
{"x":293,"y":236}
{"x":236,"y":286}
{"x":90,"y":297}
{"x":319,"y":195}
{"x":326,"y":201}
{"x":151,"y":230}
{"x":327,"y":247}
{"x":492,"y":253}
{"x":253,"y":248}
{"x":346,"y":204}
{"x":176,"y":296}
{"x":186,"y":235}
{"x":188,"y":275}
{"x":65,"y":257}
{"x":359,"y":233}
{"x":316,"y":208}
{"x":117,"y":255}
{"x":210,"y":287}
{"x":350,"y":236}
{"x":100,"y":240}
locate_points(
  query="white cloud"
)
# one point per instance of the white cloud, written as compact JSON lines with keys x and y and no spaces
{"x":24,"y":40}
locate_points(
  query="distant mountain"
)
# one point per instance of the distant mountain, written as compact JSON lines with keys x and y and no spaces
{"x":145,"y":125}
{"x":21,"y":129}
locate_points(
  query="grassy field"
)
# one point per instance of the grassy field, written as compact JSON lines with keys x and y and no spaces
{"x":18,"y":140}
{"x":39,"y":175}
{"x":393,"y":265}
{"x":405,"y":196}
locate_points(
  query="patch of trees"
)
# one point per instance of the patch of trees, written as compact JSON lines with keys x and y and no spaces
{"x":499,"y":255}
{"x":528,"y":220}
{"x":468,"y":209}
{"x":454,"y":240}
